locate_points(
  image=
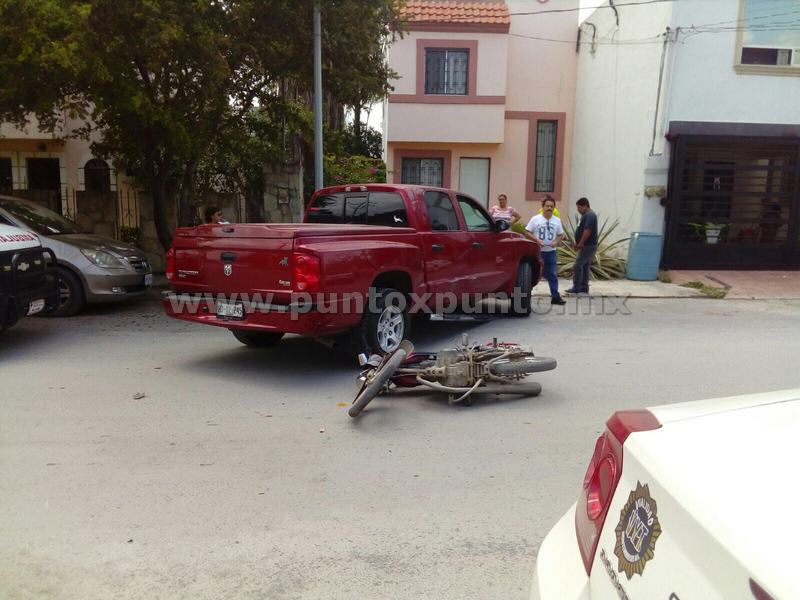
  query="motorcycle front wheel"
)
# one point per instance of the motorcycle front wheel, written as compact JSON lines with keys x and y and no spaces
{"x":378,"y":378}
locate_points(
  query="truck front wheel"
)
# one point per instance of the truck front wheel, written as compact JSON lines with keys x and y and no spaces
{"x":523,"y":290}
{"x":257,"y":339}
{"x":385,"y":323}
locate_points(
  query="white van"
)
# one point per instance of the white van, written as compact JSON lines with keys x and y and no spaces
{"x":28,"y":276}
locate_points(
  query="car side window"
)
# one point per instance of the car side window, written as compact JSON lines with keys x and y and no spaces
{"x":441,"y":212}
{"x":388,"y":209}
{"x":475,"y":217}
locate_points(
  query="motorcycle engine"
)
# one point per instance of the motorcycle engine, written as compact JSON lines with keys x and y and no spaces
{"x":455,"y":368}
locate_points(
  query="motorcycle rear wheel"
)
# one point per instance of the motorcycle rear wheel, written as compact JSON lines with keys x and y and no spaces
{"x":523,"y":365}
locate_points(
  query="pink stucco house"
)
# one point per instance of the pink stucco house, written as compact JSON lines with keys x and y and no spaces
{"x":484,"y":98}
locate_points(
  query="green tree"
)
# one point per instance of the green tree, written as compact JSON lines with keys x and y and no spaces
{"x":167,"y":83}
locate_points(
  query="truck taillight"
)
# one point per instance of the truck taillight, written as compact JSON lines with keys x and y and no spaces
{"x":602,"y":477}
{"x":170,"y":268}
{"x":306,"y":273}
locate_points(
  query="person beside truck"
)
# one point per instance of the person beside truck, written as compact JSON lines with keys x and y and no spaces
{"x":547,"y":231}
{"x":586,"y":245}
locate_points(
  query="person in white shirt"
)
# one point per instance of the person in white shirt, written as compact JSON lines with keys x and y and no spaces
{"x":547,"y":230}
{"x":503,"y":211}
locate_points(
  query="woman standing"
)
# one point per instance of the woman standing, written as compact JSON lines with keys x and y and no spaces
{"x":503,"y":211}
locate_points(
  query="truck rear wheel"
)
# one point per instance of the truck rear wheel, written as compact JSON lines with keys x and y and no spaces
{"x":523,"y":290}
{"x":385,"y":323}
{"x":257,"y":339}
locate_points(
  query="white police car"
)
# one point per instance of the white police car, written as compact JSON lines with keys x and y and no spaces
{"x":689,"y":500}
{"x":28,"y":276}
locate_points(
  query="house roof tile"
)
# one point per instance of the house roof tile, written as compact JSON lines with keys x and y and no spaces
{"x":455,"y":11}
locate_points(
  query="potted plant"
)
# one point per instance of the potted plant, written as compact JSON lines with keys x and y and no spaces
{"x":711,"y":231}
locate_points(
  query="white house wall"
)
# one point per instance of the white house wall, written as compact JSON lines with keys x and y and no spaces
{"x":617,"y":87}
{"x":705,"y":86}
{"x":541,"y":70}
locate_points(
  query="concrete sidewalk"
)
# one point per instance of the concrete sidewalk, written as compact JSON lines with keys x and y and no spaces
{"x":756,"y":285}
{"x":626,"y":288}
{"x":739,"y":285}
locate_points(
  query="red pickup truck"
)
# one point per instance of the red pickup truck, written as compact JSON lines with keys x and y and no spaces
{"x":366,"y":257}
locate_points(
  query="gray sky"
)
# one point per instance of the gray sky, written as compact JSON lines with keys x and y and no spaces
{"x":773,"y":22}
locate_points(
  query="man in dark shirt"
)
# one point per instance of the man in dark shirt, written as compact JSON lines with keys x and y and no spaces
{"x":586,"y":245}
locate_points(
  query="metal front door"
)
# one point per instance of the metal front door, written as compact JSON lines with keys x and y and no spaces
{"x":733,"y":203}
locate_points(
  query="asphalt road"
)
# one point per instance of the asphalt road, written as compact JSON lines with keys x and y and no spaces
{"x":240,"y":475}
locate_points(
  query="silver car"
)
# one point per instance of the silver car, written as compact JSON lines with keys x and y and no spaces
{"x":91,"y":268}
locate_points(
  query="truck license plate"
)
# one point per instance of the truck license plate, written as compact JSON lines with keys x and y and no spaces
{"x":36,"y":306}
{"x":148,"y":279}
{"x":230,"y":310}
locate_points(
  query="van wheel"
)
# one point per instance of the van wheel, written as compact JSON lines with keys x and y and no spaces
{"x":523,"y":290}
{"x":385,"y":323}
{"x":257,"y":339}
{"x":71,"y":298}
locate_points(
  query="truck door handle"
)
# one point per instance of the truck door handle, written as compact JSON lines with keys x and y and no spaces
{"x":437,"y":247}
{"x":477,"y":245}
{"x":228,"y":256}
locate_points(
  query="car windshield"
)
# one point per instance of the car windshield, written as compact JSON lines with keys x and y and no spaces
{"x":38,"y":218}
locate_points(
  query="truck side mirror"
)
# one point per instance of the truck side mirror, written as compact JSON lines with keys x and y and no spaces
{"x":501,"y":225}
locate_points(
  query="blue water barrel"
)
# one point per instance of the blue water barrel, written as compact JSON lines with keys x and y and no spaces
{"x":644,"y":255}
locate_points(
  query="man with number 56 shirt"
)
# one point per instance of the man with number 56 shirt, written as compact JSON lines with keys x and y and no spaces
{"x":547,"y":230}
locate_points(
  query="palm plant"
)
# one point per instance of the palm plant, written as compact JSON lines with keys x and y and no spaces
{"x":605,"y":264}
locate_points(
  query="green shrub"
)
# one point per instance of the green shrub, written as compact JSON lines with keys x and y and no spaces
{"x":340,"y":170}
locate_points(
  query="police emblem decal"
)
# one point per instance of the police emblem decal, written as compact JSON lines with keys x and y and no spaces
{"x":227,"y":269}
{"x":637,"y":531}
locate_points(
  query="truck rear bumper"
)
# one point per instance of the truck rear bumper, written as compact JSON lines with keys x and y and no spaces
{"x":302,"y":320}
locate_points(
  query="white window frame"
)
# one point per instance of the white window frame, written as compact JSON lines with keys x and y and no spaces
{"x":790,"y":70}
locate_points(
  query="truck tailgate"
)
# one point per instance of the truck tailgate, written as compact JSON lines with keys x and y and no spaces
{"x":235,"y":259}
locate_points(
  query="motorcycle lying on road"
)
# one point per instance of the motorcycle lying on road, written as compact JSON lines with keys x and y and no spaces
{"x":494,"y":368}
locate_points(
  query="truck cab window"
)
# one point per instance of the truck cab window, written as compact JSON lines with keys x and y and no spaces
{"x":441,"y":212}
{"x":388,"y":209}
{"x":355,"y":209}
{"x":326,"y":209}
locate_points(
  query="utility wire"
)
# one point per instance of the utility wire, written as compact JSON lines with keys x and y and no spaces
{"x":467,"y":19}
{"x":783,"y":14}
{"x":550,"y":11}
{"x":563,"y":10}
{"x":657,"y":39}
{"x":650,"y":40}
